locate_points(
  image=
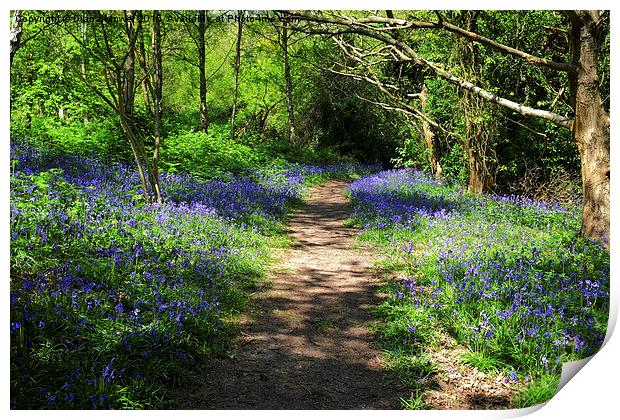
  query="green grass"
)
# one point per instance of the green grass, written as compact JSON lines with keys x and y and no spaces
{"x":415,"y":402}
{"x":485,"y":362}
{"x":539,"y":391}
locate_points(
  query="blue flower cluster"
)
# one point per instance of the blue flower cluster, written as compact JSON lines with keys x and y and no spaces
{"x":507,"y":275}
{"x":399,"y":198}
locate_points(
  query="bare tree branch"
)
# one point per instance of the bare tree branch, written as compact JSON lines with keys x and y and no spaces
{"x":531,"y":59}
{"x":399,"y":24}
{"x":396,"y":103}
{"x":408,"y":54}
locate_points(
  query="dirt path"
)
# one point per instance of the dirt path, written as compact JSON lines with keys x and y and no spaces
{"x":305,"y":343}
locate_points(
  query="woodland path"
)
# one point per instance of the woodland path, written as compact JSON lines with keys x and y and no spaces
{"x":305,"y":341}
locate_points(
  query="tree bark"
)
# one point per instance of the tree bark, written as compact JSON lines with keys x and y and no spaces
{"x":157,"y":103}
{"x":476,"y":133}
{"x":144,"y":81}
{"x":125,"y":79}
{"x":83,"y":69}
{"x":129,"y":74}
{"x":591,"y":128}
{"x":16,"y":33}
{"x":289,"y":85}
{"x":204,"y":122}
{"x":237,"y":65}
{"x":430,"y":139}
{"x":479,"y":178}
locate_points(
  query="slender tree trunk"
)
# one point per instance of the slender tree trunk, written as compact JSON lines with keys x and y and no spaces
{"x":144,"y":81}
{"x":151,"y":85}
{"x":146,"y":97}
{"x":61,"y":108}
{"x":204,"y":122}
{"x":83,"y":68}
{"x":157,"y":103}
{"x":136,"y":149}
{"x":16,"y":33}
{"x":430,"y":139}
{"x":591,"y":129}
{"x":129,"y":79}
{"x":289,"y":86}
{"x":126,"y":84}
{"x":237,"y":65}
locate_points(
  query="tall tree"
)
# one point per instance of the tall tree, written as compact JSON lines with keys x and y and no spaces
{"x":430,"y":138}
{"x":591,"y":122}
{"x":146,"y":76}
{"x":289,"y":86}
{"x":196,"y":27}
{"x":157,"y":102}
{"x":152,"y":81}
{"x":476,"y":137}
{"x":237,"y":66}
{"x":202,"y":27}
{"x":115,"y":50}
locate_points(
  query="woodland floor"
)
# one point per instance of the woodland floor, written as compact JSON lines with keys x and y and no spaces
{"x":305,"y":341}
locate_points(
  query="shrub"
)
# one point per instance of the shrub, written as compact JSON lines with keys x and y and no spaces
{"x":207,"y":156}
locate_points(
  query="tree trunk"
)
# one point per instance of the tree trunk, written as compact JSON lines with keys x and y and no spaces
{"x":479,"y":179}
{"x":289,"y":86}
{"x":144,"y":81}
{"x":237,"y":65}
{"x":475,"y":141}
{"x":204,"y":122}
{"x":430,"y":139}
{"x":591,"y":129}
{"x":151,"y":85}
{"x":16,"y":33}
{"x":83,"y":68}
{"x":157,"y":104}
{"x":137,"y":151}
{"x":126,"y":83}
{"x":129,"y":74}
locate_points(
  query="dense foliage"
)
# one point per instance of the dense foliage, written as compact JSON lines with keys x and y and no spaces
{"x":507,"y":276}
